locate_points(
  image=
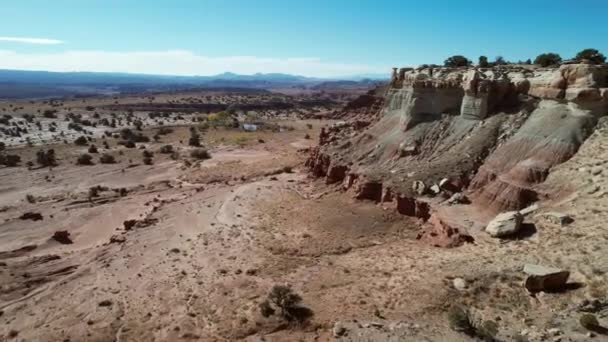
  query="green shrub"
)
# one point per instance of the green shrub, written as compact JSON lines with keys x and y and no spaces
{"x":195,"y":140}
{"x":9,"y":160}
{"x":483,"y":62}
{"x":81,"y":141}
{"x":30,"y":198}
{"x":107,"y":159}
{"x":548,"y":59}
{"x":46,"y":158}
{"x":84,"y":159}
{"x":127,"y":143}
{"x":457,"y":61}
{"x":458,"y":319}
{"x":50,"y":114}
{"x":592,"y":55}
{"x":200,"y":154}
{"x":130,"y":135}
{"x":487,"y":330}
{"x":287,"y":302}
{"x":166,"y":149}
{"x":164,"y":131}
{"x":589,"y":321}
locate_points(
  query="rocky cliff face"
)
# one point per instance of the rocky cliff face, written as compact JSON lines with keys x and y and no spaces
{"x":494,"y":134}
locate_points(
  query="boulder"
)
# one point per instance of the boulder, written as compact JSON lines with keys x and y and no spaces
{"x":419,"y":187}
{"x":447,"y":185}
{"x":407,"y":149}
{"x":505,"y":224}
{"x":439,"y":233}
{"x":339,"y":330}
{"x":530,"y":209}
{"x":435,"y":189}
{"x":457,"y":198}
{"x":541,"y":278}
{"x":459,"y":284}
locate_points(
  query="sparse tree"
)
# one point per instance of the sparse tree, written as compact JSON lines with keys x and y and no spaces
{"x":548,"y":59}
{"x":200,"y":154}
{"x":457,"y":61}
{"x":499,"y":60}
{"x":46,"y":158}
{"x":287,"y":302}
{"x":85,"y":159}
{"x":107,"y":159}
{"x":9,"y":160}
{"x":166,"y":149}
{"x":195,"y":139}
{"x":81,"y":141}
{"x":591,"y":55}
{"x":483,"y":62}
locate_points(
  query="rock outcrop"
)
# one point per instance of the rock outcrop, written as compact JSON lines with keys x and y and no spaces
{"x":494,"y":133}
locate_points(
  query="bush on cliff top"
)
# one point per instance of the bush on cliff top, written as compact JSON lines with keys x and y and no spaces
{"x":592,"y":55}
{"x":547,"y":59}
{"x":457,"y":61}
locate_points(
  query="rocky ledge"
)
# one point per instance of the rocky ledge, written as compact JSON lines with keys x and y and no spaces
{"x":489,"y":135}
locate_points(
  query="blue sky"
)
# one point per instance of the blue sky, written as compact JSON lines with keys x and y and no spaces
{"x":313,"y":37}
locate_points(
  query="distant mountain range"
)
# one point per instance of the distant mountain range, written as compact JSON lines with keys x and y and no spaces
{"x":26,"y":84}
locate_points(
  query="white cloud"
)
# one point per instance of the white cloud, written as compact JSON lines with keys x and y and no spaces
{"x":176,"y":62}
{"x":44,"y":41}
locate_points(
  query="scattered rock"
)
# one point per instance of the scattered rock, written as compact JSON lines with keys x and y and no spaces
{"x":339,"y":330}
{"x":558,"y":218}
{"x":438,"y":233}
{"x":106,"y":302}
{"x":459,"y":284}
{"x":505,"y":224}
{"x":408,"y":149}
{"x":63,"y":237}
{"x":447,"y":185}
{"x":541,"y":278}
{"x":31,"y":216}
{"x":458,"y":198}
{"x":117,"y":239}
{"x":529,"y":210}
{"x":435,"y":189}
{"x":419,"y":187}
{"x":596,"y":170}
